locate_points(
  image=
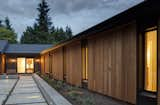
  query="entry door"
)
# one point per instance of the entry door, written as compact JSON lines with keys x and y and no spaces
{"x":29,"y":65}
{"x":21,"y":65}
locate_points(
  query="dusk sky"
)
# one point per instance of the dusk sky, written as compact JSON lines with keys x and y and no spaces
{"x":78,"y":14}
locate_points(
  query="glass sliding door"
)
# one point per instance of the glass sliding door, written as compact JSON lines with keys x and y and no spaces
{"x":150,"y":81}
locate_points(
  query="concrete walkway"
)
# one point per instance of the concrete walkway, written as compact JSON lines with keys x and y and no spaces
{"x":26,"y":92}
{"x":6,"y":86}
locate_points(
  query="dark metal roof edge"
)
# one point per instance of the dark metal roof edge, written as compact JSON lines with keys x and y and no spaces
{"x":107,"y":23}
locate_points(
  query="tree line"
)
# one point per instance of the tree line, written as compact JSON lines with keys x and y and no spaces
{"x":42,"y":32}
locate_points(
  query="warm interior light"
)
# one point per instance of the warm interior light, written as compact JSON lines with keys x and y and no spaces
{"x":151,"y":61}
{"x":37,"y":60}
{"x":85,"y":62}
{"x":12,"y":60}
{"x":21,"y":65}
{"x":29,"y":65}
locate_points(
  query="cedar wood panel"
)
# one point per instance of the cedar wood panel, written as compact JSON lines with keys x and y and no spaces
{"x":158,"y":99}
{"x":42,"y":65}
{"x":57,"y":64}
{"x":46,"y":61}
{"x":0,"y":63}
{"x":73,"y":63}
{"x":112,"y":63}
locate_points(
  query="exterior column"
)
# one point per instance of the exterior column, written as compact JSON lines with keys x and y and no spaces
{"x":3,"y":63}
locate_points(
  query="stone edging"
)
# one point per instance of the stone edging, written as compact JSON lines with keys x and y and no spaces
{"x":50,"y":94}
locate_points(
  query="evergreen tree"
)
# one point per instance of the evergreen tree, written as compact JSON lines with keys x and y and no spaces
{"x":7,"y":24}
{"x":7,"y":32}
{"x":68,"y":32}
{"x":1,"y":25}
{"x":9,"y":35}
{"x":43,"y":31}
{"x":44,"y":21}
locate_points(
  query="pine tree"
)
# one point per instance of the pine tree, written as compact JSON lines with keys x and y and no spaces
{"x":43,"y":31}
{"x":7,"y":24}
{"x":68,"y":32}
{"x":43,"y":21}
{"x":1,"y":25}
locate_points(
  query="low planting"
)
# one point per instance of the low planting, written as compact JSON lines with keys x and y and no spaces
{"x":74,"y":94}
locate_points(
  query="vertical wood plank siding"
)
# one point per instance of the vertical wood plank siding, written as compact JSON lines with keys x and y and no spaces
{"x":0,"y":63}
{"x":112,"y":63}
{"x":158,"y":99}
{"x":57,"y":64}
{"x":73,"y":63}
{"x":42,"y":64}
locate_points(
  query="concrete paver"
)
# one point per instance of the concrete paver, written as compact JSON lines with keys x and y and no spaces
{"x":6,"y":86}
{"x":25,"y":98}
{"x":26,"y":92}
{"x":35,"y":104}
{"x":2,"y":98}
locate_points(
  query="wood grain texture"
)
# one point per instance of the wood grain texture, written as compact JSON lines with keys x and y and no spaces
{"x":46,"y":63}
{"x":112,"y":63}
{"x":73,"y":63}
{"x":57,"y":64}
{"x":158,"y":99}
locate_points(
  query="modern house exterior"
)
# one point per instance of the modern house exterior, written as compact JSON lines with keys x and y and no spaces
{"x":119,"y":57}
{"x":20,"y":58}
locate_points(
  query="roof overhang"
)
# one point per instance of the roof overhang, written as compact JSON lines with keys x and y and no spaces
{"x":146,"y":9}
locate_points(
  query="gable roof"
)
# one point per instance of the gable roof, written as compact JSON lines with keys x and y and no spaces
{"x":3,"y":45}
{"x":26,"y":48}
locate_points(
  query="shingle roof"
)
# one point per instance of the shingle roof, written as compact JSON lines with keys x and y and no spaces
{"x":26,"y":48}
{"x":3,"y":45}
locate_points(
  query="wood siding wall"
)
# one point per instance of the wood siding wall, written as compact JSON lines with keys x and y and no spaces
{"x":158,"y":99}
{"x":57,"y":64}
{"x":0,"y":63}
{"x":3,"y":57}
{"x":112,"y":63}
{"x":73,"y":63}
{"x":46,"y":61}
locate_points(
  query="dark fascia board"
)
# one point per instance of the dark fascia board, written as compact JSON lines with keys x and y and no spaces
{"x":142,"y":10}
{"x":22,"y":54}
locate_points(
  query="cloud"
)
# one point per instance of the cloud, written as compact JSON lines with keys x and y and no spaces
{"x":79,"y":14}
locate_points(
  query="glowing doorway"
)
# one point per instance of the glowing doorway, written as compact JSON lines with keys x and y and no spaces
{"x":21,"y":65}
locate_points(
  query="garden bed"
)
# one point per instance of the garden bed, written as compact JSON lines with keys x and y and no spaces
{"x":80,"y":96}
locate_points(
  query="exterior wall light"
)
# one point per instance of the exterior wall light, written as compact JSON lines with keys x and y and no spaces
{"x":37,"y":60}
{"x":12,"y":60}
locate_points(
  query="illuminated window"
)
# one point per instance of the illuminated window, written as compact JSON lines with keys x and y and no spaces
{"x":151,"y":61}
{"x":85,"y":61}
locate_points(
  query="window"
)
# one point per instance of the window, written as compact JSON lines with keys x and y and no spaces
{"x":85,"y":60}
{"x":151,"y":61}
